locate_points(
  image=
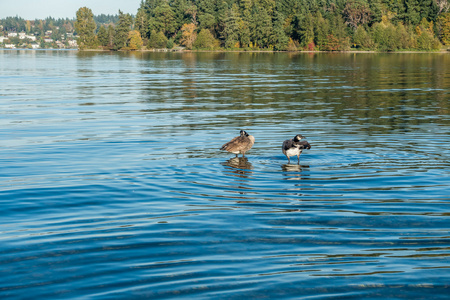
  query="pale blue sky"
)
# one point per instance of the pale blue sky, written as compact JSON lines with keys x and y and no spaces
{"x":40,"y":9}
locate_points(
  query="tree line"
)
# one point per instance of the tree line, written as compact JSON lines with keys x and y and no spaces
{"x":328,"y":25}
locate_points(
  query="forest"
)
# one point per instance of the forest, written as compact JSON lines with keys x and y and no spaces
{"x":282,"y":25}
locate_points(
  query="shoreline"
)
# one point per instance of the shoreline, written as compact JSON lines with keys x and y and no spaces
{"x":233,"y":51}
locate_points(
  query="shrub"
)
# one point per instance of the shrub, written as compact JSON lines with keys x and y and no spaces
{"x":362,"y":39}
{"x":205,"y":40}
{"x":157,"y":40}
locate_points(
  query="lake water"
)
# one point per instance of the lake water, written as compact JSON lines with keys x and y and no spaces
{"x":112,"y":184}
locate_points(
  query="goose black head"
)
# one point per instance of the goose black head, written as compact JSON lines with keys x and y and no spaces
{"x":244,"y":133}
{"x":298,"y":137}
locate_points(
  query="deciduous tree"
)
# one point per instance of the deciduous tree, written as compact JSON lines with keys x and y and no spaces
{"x":443,"y":26}
{"x":205,"y":40}
{"x":356,"y":12}
{"x":188,"y":35}
{"x":134,"y":40}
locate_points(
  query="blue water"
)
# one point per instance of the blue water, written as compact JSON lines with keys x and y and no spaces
{"x":112,"y":184}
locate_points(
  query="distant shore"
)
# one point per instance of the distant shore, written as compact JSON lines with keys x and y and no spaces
{"x":226,"y":51}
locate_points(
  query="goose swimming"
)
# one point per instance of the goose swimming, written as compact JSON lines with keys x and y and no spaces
{"x":239,"y":144}
{"x":294,"y":147}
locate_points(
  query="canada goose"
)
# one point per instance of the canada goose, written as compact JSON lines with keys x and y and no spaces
{"x":295,"y":146}
{"x":239,"y":144}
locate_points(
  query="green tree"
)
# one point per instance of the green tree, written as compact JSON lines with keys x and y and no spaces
{"x":163,"y":19}
{"x":205,"y":40}
{"x":362,"y":39}
{"x":261,"y":27}
{"x":102,"y":36}
{"x":385,"y":36}
{"x":157,"y":40}
{"x":321,"y":31}
{"x":412,"y":13}
{"x":279,"y":38}
{"x":305,"y":29}
{"x":141,"y":23}
{"x":122,"y":28}
{"x":85,"y":27}
{"x":230,"y":32}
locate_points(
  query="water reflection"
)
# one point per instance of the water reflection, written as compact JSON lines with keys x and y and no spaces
{"x":239,"y":166}
{"x":294,"y":171}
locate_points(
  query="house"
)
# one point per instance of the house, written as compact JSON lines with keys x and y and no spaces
{"x":31,"y":37}
{"x":12,"y":34}
{"x":35,"y":46}
{"x":73,"y":43}
{"x":2,"y":39}
{"x":10,"y":46}
{"x":22,"y":35}
{"x":48,"y":40}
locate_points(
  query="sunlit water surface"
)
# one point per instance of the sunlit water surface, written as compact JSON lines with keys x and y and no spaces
{"x":112,"y":184}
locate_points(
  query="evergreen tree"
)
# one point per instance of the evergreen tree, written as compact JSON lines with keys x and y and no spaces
{"x":279,"y":38}
{"x":261,"y":27}
{"x":163,"y":19}
{"x":122,"y":29}
{"x":141,"y":23}
{"x":85,"y":27}
{"x":412,"y":13}
{"x":102,"y":36}
{"x":231,"y":30}
{"x":305,"y":29}
{"x":321,"y":31}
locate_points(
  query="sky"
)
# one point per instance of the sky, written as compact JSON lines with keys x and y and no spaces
{"x":41,"y":9}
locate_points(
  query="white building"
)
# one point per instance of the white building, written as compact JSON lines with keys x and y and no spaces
{"x":3,"y":38}
{"x":73,"y":43}
{"x":10,"y":46}
{"x":12,"y":34}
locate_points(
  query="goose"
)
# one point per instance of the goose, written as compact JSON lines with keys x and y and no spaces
{"x":239,"y":144}
{"x":294,"y":147}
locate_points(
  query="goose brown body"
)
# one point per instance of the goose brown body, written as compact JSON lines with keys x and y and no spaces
{"x":294,"y":147}
{"x":239,"y":144}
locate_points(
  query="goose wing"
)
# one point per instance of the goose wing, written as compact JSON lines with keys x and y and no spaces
{"x":287,"y":144}
{"x":304,"y":145}
{"x":236,"y":144}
